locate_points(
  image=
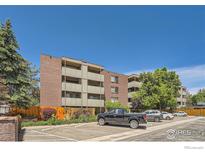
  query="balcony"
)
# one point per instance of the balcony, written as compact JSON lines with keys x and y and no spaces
{"x":71,"y":87}
{"x":95,"y":103}
{"x":179,"y":99}
{"x":130,"y":94}
{"x":95,"y":90}
{"x":71,"y":101}
{"x":95,"y":76}
{"x":71,"y":72}
{"x":134,"y":84}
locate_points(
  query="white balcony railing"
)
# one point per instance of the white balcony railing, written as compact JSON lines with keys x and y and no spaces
{"x":71,"y":72}
{"x":130,"y":94}
{"x":95,"y":103}
{"x":134,"y":84}
{"x":71,"y":101}
{"x":95,"y":76}
{"x":180,"y":99}
{"x":71,"y":87}
{"x":95,"y":90}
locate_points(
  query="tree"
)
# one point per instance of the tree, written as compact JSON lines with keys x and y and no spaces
{"x":199,"y":97}
{"x":159,"y":89}
{"x":112,"y":105}
{"x":16,"y":73}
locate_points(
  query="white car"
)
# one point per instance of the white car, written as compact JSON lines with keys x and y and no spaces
{"x":167,"y":116}
{"x":180,"y":114}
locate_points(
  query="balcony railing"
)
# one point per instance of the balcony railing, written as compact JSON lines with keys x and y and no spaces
{"x":95,"y":90}
{"x":130,"y":94}
{"x":134,"y":84}
{"x":71,"y":87}
{"x":95,"y":103}
{"x":71,"y":101}
{"x":95,"y":76}
{"x":71,"y":72}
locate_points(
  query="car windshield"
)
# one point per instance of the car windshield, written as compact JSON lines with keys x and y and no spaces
{"x":112,"y":111}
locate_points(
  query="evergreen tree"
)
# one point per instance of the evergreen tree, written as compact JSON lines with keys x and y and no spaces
{"x":16,"y":73}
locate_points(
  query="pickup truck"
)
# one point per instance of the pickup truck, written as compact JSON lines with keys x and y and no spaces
{"x":121,"y":117}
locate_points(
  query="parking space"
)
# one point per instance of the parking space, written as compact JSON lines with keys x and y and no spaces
{"x":92,"y":131}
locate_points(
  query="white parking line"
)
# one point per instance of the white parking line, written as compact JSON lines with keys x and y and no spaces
{"x":121,"y":136}
{"x":48,"y":134}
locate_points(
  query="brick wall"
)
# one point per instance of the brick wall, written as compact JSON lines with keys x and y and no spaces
{"x":50,"y":81}
{"x":9,"y":129}
{"x":122,"y":86}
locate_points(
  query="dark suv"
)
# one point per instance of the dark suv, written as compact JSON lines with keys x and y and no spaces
{"x":121,"y":117}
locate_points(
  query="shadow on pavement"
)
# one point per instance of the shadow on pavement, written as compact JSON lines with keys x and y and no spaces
{"x":123,"y":126}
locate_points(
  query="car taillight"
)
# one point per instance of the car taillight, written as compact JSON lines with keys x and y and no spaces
{"x":145,"y":117}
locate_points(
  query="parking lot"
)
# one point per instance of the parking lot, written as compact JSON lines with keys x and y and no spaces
{"x":94,"y":132}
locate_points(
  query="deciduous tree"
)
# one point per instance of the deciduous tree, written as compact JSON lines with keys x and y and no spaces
{"x":159,"y":89}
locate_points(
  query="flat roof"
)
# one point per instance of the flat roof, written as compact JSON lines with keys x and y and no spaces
{"x":76,"y":60}
{"x":133,"y":75}
{"x":115,"y":73}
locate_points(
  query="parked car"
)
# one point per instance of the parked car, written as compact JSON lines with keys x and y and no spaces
{"x":121,"y":117}
{"x":167,"y":115}
{"x":180,"y":114}
{"x":154,"y":115}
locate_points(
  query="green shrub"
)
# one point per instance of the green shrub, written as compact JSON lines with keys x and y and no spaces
{"x":113,"y":105}
{"x":54,"y":121}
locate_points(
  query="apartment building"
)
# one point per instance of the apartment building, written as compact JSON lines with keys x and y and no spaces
{"x":133,"y":86}
{"x":71,"y":83}
{"x":116,"y":87}
{"x":182,"y":99}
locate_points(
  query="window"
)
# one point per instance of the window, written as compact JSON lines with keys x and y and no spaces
{"x":114,"y":99}
{"x":94,"y":70}
{"x":95,"y":83}
{"x":133,"y":89}
{"x":71,"y":65}
{"x":70,"y":94}
{"x":96,"y":96}
{"x":114,"y":90}
{"x":119,"y":111}
{"x":114,"y":79}
{"x":133,"y":79}
{"x":71,"y":79}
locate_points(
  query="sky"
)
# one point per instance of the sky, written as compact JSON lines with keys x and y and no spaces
{"x":124,"y":39}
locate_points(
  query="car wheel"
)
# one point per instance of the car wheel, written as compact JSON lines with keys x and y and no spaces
{"x":168,"y":118}
{"x":101,"y":121}
{"x":134,"y":124}
{"x":156,"y":119}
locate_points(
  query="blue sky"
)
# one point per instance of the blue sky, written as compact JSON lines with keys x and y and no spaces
{"x":124,"y":39}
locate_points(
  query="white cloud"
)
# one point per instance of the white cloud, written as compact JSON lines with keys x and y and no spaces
{"x":192,"y":77}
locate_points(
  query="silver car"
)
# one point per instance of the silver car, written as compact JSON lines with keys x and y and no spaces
{"x":180,"y":114}
{"x":153,"y":115}
{"x":167,"y":116}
